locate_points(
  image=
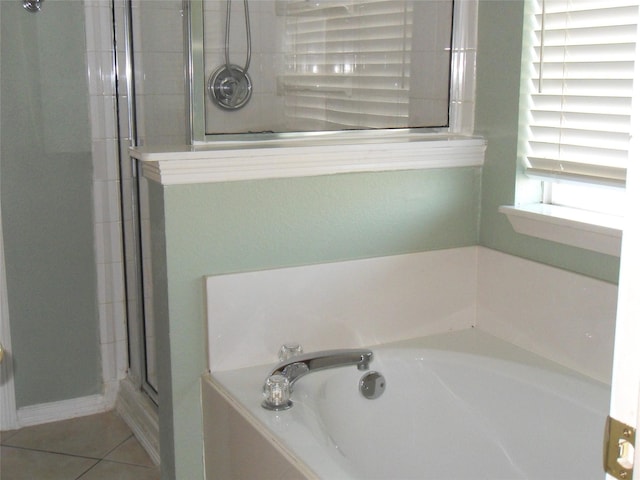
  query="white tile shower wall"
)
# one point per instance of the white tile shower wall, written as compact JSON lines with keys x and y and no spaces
{"x":336,"y":305}
{"x":463,"y":67}
{"x":159,"y":72}
{"x":560,"y":315}
{"x":107,"y":226}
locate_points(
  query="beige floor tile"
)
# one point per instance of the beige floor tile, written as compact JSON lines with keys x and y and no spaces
{"x":106,"y":470}
{"x":6,"y":435}
{"x":20,"y":464}
{"x":93,"y":436}
{"x":131,"y":452}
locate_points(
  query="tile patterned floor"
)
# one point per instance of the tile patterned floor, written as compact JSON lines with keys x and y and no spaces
{"x":97,"y":447}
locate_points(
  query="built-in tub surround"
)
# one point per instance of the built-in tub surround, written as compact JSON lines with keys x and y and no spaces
{"x":447,"y":300}
{"x":507,"y":412}
{"x":338,"y":305}
{"x":563,"y":316}
{"x":560,"y":315}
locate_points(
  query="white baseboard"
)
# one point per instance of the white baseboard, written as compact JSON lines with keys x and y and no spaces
{"x":8,"y":413}
{"x":141,"y":414}
{"x":66,"y":409}
{"x":135,"y":408}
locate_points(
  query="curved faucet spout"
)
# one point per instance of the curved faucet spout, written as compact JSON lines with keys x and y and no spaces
{"x":300,"y":365}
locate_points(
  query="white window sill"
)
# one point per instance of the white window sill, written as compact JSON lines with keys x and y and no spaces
{"x":592,"y":231}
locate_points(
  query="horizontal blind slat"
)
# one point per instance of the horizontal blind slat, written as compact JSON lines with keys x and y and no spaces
{"x":620,"y":51}
{"x":581,"y":83}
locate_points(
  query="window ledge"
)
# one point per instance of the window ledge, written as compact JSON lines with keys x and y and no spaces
{"x":593,"y":231}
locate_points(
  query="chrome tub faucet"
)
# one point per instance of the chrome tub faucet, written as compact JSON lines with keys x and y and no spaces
{"x":280,"y":380}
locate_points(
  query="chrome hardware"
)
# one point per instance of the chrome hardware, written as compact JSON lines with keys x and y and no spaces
{"x":372,"y":385}
{"x":33,"y":6}
{"x":230,"y":87}
{"x":300,"y":365}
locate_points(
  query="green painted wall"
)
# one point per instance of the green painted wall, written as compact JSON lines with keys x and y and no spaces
{"x":497,"y":111}
{"x":47,"y":204}
{"x":241,"y":226}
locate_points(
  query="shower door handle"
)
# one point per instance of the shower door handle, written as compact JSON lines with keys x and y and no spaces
{"x":1,"y":352}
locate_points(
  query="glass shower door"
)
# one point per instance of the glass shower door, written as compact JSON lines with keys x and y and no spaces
{"x":151,"y":63}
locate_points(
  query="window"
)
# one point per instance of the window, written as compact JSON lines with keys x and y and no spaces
{"x":580,"y":56}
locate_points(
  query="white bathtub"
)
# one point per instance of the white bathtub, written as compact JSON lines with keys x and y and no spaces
{"x":456,"y":406}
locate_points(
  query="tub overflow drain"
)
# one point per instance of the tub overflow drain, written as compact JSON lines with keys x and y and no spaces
{"x":372,"y":385}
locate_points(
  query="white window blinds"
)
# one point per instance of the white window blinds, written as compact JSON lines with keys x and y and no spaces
{"x":581,"y":81}
{"x":348,"y":62}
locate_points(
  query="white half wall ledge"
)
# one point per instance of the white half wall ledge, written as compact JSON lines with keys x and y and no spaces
{"x":288,"y":158}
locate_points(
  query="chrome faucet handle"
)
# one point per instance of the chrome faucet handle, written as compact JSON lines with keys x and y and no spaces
{"x":289,"y":350}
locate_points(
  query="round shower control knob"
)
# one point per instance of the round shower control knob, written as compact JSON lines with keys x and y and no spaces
{"x":230,"y":87}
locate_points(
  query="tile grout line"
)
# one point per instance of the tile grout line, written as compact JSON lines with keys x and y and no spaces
{"x":104,"y":459}
{"x":88,"y":470}
{"x":96,"y":461}
{"x":117,"y":446}
{"x":39,"y":450}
